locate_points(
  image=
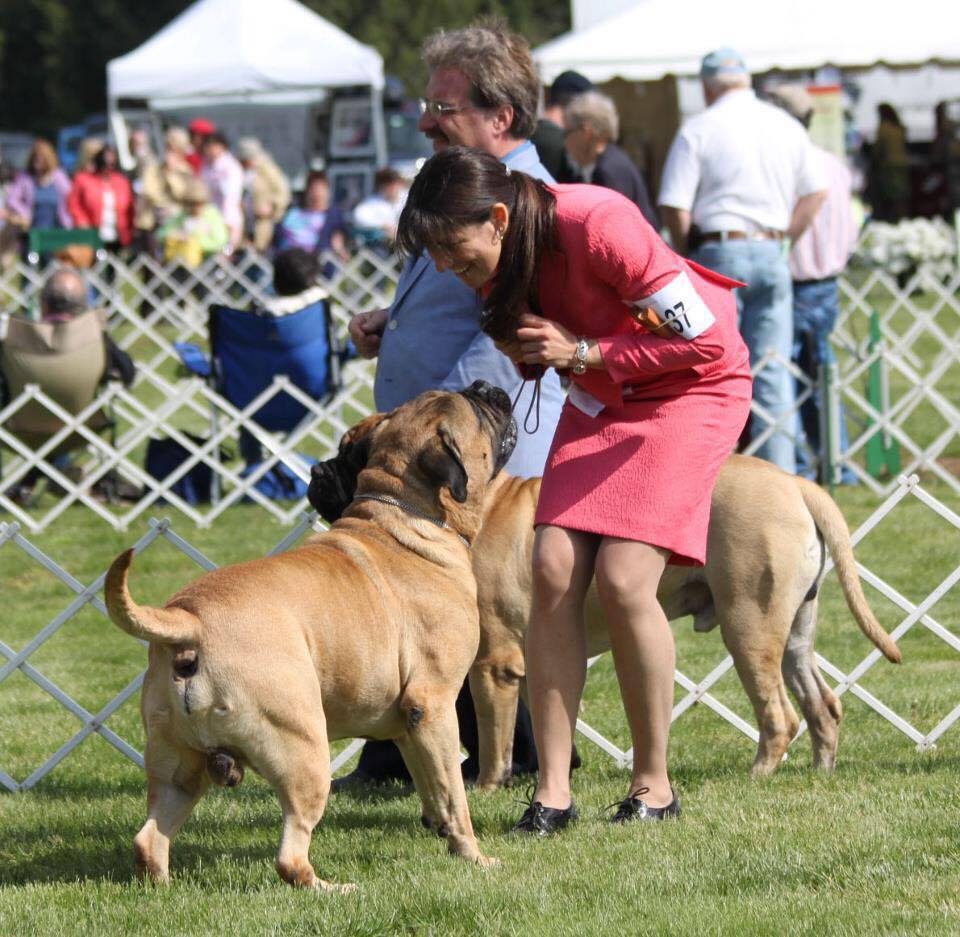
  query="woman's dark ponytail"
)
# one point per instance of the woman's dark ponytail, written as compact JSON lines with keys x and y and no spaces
{"x":530,"y":232}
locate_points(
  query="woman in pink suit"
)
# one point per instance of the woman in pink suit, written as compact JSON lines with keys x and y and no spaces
{"x":574,"y":278}
{"x":103,"y":199}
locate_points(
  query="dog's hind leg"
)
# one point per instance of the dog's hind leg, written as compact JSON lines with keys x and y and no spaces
{"x":176,"y":780}
{"x":296,"y":762}
{"x":818,"y":703}
{"x":757,"y":650}
{"x":431,"y":749}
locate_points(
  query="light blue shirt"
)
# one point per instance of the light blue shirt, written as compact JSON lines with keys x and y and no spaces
{"x":433,"y":340}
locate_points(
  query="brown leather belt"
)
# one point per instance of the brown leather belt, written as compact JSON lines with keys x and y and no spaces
{"x":742,"y":236}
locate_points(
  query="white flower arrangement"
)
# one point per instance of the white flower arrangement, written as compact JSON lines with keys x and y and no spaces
{"x":927,"y":245}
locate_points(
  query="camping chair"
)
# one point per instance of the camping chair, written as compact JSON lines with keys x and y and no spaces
{"x":45,"y":242}
{"x":248,"y":349}
{"x":68,"y":360}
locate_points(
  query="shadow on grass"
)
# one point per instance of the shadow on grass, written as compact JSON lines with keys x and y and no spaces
{"x":98,"y":849}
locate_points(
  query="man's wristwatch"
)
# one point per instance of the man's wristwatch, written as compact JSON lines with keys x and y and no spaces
{"x":580,"y":356}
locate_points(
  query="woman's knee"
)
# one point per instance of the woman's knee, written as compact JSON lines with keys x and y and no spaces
{"x":628,"y":579}
{"x":561,"y":566}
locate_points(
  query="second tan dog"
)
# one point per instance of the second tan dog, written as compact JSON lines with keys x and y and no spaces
{"x":765,"y":565}
{"x":366,"y":630}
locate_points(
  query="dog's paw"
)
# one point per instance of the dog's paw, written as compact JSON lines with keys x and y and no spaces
{"x":487,"y":862}
{"x":342,"y":889}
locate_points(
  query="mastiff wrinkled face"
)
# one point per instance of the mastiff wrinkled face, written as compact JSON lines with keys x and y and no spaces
{"x":439,"y":450}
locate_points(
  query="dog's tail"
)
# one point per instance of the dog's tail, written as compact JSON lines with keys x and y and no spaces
{"x":833,"y":527}
{"x":160,"y":625}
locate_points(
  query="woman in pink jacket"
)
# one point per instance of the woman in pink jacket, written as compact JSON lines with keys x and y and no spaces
{"x":103,"y":199}
{"x":576,"y":279}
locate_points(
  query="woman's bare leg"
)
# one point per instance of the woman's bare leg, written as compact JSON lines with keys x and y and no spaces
{"x":556,"y":652}
{"x":628,"y":573}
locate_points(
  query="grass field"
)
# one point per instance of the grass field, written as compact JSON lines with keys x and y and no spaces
{"x":870,"y":849}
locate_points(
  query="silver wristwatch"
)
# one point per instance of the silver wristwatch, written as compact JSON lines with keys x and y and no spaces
{"x":580,"y":364}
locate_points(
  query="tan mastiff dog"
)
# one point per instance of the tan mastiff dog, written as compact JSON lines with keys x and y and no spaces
{"x":765,"y":564}
{"x":368,"y":629}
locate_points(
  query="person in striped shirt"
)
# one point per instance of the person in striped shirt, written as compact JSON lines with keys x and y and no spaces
{"x":817,"y":259}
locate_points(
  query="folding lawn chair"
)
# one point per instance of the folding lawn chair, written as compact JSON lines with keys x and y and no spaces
{"x":250,"y":348}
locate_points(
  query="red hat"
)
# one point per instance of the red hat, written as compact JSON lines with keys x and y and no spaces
{"x":201,"y":125}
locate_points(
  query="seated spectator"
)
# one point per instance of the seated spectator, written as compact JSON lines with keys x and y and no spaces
{"x":295,"y":276}
{"x":592,"y":125}
{"x":164,"y":187}
{"x":103,"y":199}
{"x":69,"y":354}
{"x":197,"y":230}
{"x":316,"y":225}
{"x":266,"y":193}
{"x":375,"y":219}
{"x":37,"y":197}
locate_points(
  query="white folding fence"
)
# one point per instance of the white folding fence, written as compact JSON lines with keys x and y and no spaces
{"x":913,"y":614}
{"x":904,"y":340}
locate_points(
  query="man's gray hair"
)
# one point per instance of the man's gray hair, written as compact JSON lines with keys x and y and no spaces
{"x":596,"y":110}
{"x":497,"y":63}
{"x":724,"y":82}
{"x":64,"y":293}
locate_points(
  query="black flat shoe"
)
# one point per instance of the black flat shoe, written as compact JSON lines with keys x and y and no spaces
{"x":633,"y":808}
{"x":542,"y":821}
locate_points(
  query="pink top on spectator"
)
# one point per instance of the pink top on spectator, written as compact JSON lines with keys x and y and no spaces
{"x":823,"y":250}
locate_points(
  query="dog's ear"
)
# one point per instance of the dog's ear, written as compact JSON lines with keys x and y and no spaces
{"x":440,"y":461}
{"x":333,"y":482}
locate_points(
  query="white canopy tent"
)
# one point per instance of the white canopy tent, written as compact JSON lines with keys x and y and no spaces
{"x":662,"y":37}
{"x":250,"y":51}
{"x":654,"y":38}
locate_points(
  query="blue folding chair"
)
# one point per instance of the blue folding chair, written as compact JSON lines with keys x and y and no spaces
{"x":248,"y":349}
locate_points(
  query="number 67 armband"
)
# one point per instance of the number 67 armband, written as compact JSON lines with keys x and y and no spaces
{"x":675,"y":310}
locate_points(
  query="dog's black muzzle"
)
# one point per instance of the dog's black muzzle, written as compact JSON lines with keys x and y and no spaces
{"x":493,"y":403}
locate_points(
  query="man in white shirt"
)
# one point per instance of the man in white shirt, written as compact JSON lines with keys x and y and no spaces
{"x":741,"y":181}
{"x":377,"y":216}
{"x":817,"y":259}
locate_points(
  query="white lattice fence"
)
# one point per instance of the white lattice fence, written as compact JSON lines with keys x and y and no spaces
{"x":916,"y":357}
{"x":919,"y":611}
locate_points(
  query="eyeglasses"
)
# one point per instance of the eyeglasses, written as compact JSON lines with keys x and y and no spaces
{"x":438,"y":109}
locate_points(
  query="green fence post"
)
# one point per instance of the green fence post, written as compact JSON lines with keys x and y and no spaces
{"x":882,"y":449}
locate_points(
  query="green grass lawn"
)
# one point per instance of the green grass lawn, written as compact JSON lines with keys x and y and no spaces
{"x":870,"y":849}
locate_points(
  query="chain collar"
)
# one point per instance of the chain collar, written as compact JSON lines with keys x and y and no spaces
{"x":410,"y":509}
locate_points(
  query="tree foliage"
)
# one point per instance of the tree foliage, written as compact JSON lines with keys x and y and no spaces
{"x":53,"y":53}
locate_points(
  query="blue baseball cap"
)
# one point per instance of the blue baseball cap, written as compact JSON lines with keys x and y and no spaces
{"x":723,"y":61}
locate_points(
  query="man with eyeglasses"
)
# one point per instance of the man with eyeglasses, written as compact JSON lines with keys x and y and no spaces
{"x":483,"y":92}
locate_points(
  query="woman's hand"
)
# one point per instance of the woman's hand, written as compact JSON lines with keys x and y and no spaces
{"x":543,"y":341}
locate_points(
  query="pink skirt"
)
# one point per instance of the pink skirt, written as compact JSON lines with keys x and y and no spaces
{"x":644,"y":470}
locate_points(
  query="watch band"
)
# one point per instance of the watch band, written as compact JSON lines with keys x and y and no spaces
{"x":580,"y":364}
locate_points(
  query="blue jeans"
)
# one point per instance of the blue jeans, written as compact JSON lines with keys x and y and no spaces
{"x":765,"y":307}
{"x":816,"y":305}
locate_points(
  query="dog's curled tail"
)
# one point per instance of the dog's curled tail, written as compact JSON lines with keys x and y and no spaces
{"x":160,"y":625}
{"x":833,"y":527}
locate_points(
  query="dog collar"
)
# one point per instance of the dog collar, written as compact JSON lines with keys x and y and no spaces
{"x":410,"y":509}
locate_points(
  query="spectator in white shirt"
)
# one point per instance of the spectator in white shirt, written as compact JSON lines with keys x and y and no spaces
{"x":742,"y":179}
{"x":817,"y":258}
{"x":376,"y":217}
{"x":223,"y":175}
